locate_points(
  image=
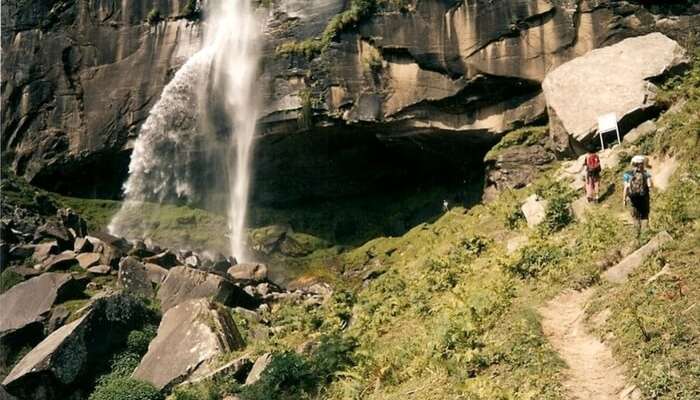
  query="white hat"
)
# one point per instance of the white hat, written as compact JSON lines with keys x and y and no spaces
{"x":638,"y":159}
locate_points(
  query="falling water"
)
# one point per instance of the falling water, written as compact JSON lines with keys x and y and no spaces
{"x":213,"y":89}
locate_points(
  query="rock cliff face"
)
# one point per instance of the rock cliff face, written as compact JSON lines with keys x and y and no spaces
{"x":411,"y":92}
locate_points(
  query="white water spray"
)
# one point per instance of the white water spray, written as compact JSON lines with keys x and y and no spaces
{"x":218,"y":79}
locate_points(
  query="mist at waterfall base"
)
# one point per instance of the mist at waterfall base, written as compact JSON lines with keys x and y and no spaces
{"x":196,"y":144}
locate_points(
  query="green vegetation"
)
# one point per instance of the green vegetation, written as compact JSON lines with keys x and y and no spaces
{"x":359,"y":9}
{"x":154,"y":17}
{"x":305,"y":120}
{"x":372,"y":61}
{"x":125,"y":389}
{"x":8,"y":279}
{"x":526,"y":136}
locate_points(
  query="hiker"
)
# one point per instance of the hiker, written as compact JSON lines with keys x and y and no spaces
{"x":592,"y":166}
{"x":637,"y":189}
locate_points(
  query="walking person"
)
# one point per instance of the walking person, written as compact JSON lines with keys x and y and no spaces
{"x":637,"y":190}
{"x":592,"y":166}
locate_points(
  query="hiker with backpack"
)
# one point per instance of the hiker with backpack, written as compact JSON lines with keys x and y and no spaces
{"x":592,"y":166}
{"x":637,"y":189}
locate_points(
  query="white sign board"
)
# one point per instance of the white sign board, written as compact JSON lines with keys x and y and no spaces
{"x":607,"y":123}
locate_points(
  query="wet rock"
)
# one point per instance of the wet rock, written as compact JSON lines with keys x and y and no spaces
{"x":156,"y":273}
{"x":248,"y":273}
{"x":184,"y":283}
{"x":87,"y":260}
{"x":190,"y":337}
{"x":613,"y":79}
{"x":258,"y":368}
{"x":166,"y":259}
{"x":100,"y":270}
{"x":534,"y":210}
{"x":134,"y":278}
{"x":60,"y":262}
{"x":54,"y":368}
{"x":28,"y":303}
{"x":42,"y":251}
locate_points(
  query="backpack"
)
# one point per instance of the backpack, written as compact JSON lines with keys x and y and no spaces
{"x":592,"y":163}
{"x":638,"y":186}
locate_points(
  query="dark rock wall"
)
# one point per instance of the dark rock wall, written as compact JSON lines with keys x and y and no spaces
{"x":79,"y":77}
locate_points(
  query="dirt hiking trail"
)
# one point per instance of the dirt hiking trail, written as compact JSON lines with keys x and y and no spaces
{"x":593,"y":373}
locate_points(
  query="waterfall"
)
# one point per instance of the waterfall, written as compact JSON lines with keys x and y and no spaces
{"x":179,"y":142}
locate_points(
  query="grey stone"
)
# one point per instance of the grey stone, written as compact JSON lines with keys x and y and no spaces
{"x":156,"y":273}
{"x":190,"y":337}
{"x":60,"y":262}
{"x":258,"y":368}
{"x":165,"y":259}
{"x":134,"y":278}
{"x":620,"y":272}
{"x":613,"y":79}
{"x":52,"y":368}
{"x":100,"y":270}
{"x":54,"y":231}
{"x":248,"y":273}
{"x":534,"y":210}
{"x":82,"y":245}
{"x":42,"y":251}
{"x":59,"y":316}
{"x":87,"y":260}
{"x":29,"y":302}
{"x":184,"y":283}
{"x":644,"y":129}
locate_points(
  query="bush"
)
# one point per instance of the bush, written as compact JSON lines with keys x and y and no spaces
{"x":125,"y":389}
{"x":192,"y":11}
{"x":535,"y":259}
{"x":558,"y":212}
{"x":153,"y":16}
{"x":288,"y":374}
{"x":8,"y":279}
{"x":138,"y":341}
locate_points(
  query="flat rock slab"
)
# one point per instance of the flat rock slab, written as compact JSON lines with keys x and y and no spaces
{"x":613,"y":79}
{"x":29,"y":302}
{"x":60,"y":262}
{"x":50,"y":369}
{"x":87,"y":260}
{"x":185,"y":283}
{"x":258,"y":368}
{"x":190,"y":336}
{"x":620,"y":272}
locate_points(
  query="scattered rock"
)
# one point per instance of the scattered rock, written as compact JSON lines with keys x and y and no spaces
{"x":29,"y":302}
{"x":662,"y":170}
{"x":54,"y":231}
{"x":258,"y":368}
{"x":60,"y":262}
{"x":111,"y":254}
{"x":515,"y":243}
{"x":184,"y":283}
{"x":87,"y":260}
{"x":666,"y":270}
{"x":248,"y":273}
{"x":140,"y":250}
{"x":53,"y":368}
{"x":134,"y":278}
{"x":190,"y":337}
{"x":613,"y":79}
{"x":166,"y":259}
{"x":82,"y":245}
{"x":59,"y":316}
{"x":71,"y":220}
{"x":192,"y":261}
{"x":100,"y":270}
{"x":42,"y":251}
{"x":21,"y":252}
{"x":534,"y":210}
{"x":26,"y":272}
{"x":620,"y":272}
{"x":156,"y":273}
{"x":238,"y":369}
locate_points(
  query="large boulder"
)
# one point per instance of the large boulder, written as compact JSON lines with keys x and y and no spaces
{"x":247,"y":273}
{"x":27,"y":304}
{"x":613,"y":79}
{"x":60,"y":262}
{"x":620,"y":272}
{"x":134,"y":278}
{"x":190,"y":337}
{"x":184,"y":283}
{"x":53,"y":369}
{"x":534,"y":209}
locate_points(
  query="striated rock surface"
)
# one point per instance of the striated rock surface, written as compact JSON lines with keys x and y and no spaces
{"x":184,"y":283}
{"x":190,"y":336}
{"x":613,"y":79}
{"x":52,"y":368}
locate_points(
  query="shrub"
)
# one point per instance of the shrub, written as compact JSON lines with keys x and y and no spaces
{"x":535,"y":259}
{"x":138,"y":341}
{"x":288,"y":373}
{"x":8,"y":279}
{"x":125,"y":389}
{"x":153,"y":16}
{"x":558,"y":212}
{"x":192,"y":11}
{"x":333,"y":353}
